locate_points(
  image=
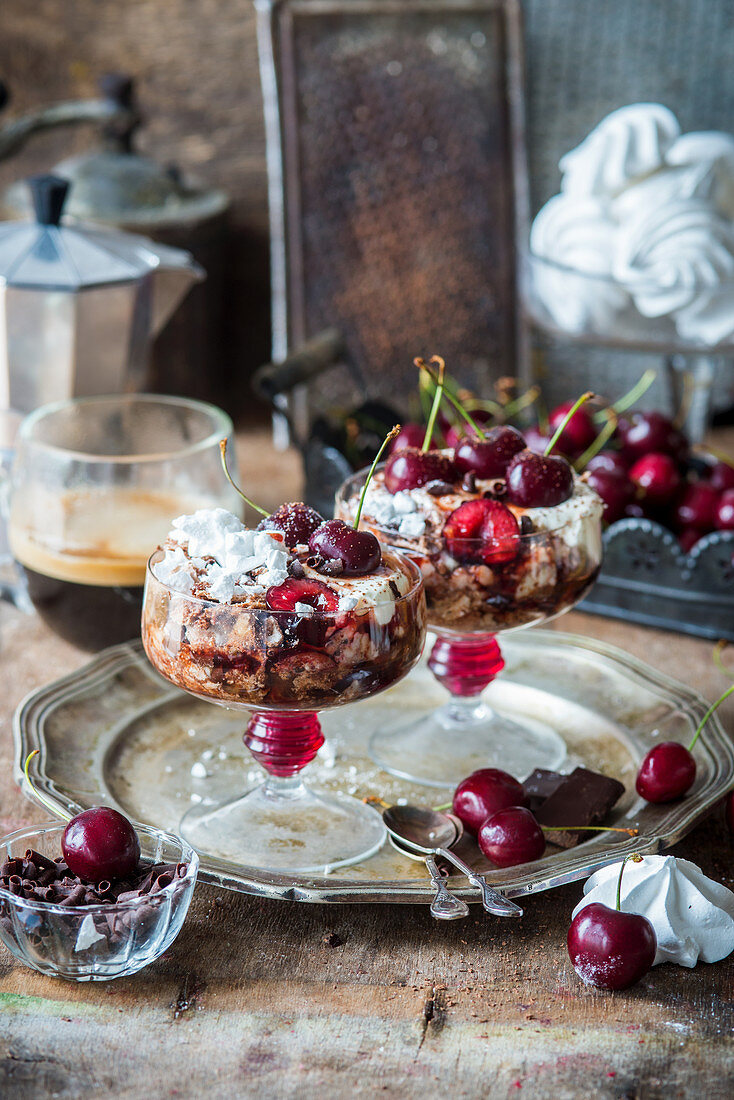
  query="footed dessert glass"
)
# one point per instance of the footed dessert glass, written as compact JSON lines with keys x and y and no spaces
{"x":470,"y":602}
{"x":284,"y":666}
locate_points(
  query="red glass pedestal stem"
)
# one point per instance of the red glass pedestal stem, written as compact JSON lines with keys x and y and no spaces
{"x":466,"y":665}
{"x":283,"y":742}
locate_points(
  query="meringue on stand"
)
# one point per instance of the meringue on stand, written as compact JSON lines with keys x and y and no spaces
{"x":645,"y":222}
{"x":693,"y":916}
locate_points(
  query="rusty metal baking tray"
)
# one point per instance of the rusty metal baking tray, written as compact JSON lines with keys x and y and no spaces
{"x":114,"y":732}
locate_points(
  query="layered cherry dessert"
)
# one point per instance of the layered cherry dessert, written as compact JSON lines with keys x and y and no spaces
{"x":504,"y":537}
{"x":241,"y":616}
{"x":299,"y":614}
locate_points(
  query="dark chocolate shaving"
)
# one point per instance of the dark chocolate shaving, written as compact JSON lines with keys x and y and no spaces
{"x":526,"y":525}
{"x":332,"y":567}
{"x":469,"y":482}
{"x":439,"y":488}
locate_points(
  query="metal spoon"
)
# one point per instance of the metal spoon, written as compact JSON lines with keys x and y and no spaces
{"x":444,"y":905}
{"x":431,"y":832}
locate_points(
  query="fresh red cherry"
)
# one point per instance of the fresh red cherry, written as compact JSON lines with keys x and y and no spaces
{"x":100,"y":844}
{"x":482,"y":531}
{"x":666,"y":773}
{"x":489,"y":457}
{"x":484,"y":793}
{"x":724,"y":514}
{"x":656,"y":475}
{"x":721,"y":476}
{"x":358,"y":551}
{"x":410,"y":435}
{"x":455,"y":434}
{"x":511,"y":836}
{"x":651,"y":431}
{"x":285,"y":596}
{"x":616,"y":490}
{"x":612,"y":462}
{"x":578,"y":434}
{"x":696,"y":507}
{"x":688,"y":538}
{"x":411,"y":468}
{"x":296,"y":520}
{"x":538,"y":481}
{"x":611,"y":949}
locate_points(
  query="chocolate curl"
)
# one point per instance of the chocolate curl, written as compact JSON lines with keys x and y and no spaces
{"x":40,"y":860}
{"x":48,"y":876}
{"x":11,"y":867}
{"x":15,"y":884}
{"x":78,"y":896}
{"x":30,"y":871}
{"x":182,"y":869}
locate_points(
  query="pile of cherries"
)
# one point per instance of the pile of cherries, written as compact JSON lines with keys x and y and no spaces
{"x":484,"y":530}
{"x":647,"y":470}
{"x":493,"y":806}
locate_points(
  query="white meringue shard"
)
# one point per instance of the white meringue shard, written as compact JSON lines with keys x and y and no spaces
{"x":692,"y":915}
{"x":577,"y":233}
{"x":669,"y":256}
{"x":628,"y":144}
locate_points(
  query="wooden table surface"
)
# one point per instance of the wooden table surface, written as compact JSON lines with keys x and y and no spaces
{"x":280,"y":999}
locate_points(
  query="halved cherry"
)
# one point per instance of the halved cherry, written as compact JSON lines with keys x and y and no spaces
{"x":285,"y":596}
{"x":482,"y":531}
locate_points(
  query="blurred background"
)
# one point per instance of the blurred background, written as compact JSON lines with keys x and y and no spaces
{"x":195,"y":63}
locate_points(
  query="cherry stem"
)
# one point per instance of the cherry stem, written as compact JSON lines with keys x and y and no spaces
{"x":227,"y":474}
{"x":452,"y":400}
{"x":718,"y":650}
{"x":634,"y":858}
{"x":559,"y":430}
{"x":390,"y":435}
{"x":729,"y":691}
{"x":522,"y":402}
{"x":604,"y":435}
{"x":589,"y":829}
{"x":704,"y":449}
{"x":685,"y":402}
{"x":436,"y":397}
{"x":57,"y":811}
{"x":626,"y":400}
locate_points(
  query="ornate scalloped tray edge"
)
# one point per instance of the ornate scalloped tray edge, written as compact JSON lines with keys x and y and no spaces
{"x":115,"y":732}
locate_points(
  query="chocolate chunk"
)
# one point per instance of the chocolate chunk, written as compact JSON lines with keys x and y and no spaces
{"x":438,"y":488}
{"x":296,"y":569}
{"x":526,"y":525}
{"x":469,"y":482}
{"x":583,"y":798}
{"x":540,"y":785}
{"x":394,"y":589}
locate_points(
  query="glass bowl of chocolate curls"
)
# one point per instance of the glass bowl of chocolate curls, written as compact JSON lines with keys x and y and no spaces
{"x":56,"y":922}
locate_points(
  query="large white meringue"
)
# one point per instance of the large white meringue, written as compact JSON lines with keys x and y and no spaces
{"x":628,"y":144}
{"x":669,"y":256}
{"x":692,"y":915}
{"x":576,"y":232}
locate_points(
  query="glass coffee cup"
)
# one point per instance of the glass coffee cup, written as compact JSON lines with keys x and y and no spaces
{"x":95,"y":484}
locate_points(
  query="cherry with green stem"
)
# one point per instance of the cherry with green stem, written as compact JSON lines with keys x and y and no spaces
{"x":608,"y":948}
{"x":669,"y":769}
{"x":98,"y":844}
{"x":345,"y":549}
{"x":566,"y":420}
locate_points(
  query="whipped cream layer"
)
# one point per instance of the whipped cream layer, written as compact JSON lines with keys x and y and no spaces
{"x":414,"y":512}
{"x":692,"y":915}
{"x":213,"y":556}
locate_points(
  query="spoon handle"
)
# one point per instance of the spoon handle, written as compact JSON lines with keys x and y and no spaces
{"x":444,"y":905}
{"x":492,"y":900}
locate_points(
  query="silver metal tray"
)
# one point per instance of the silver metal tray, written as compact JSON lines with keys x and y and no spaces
{"x":114,"y":732}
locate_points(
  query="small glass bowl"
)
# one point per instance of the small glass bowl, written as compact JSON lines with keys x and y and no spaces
{"x":67,"y":942}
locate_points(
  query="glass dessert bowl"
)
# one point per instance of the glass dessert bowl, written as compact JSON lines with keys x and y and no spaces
{"x":288,"y":642}
{"x":488,"y":566}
